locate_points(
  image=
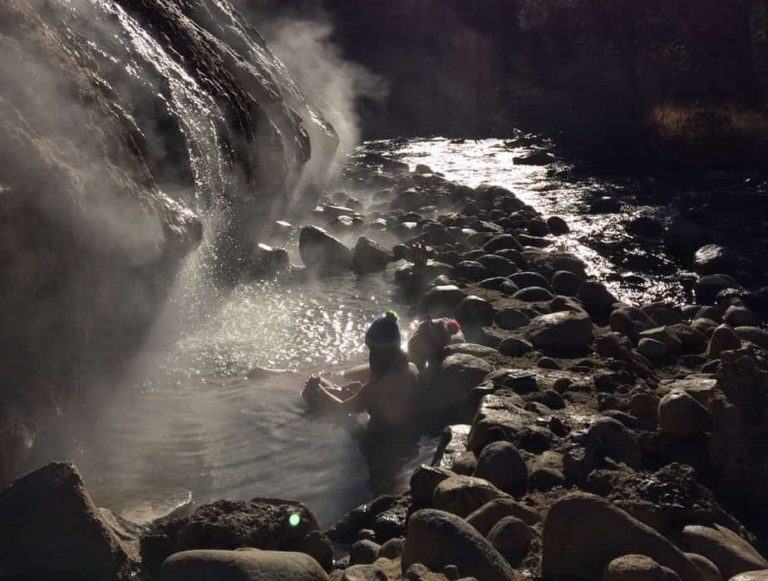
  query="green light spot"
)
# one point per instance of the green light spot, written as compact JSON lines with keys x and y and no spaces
{"x":294,"y":520}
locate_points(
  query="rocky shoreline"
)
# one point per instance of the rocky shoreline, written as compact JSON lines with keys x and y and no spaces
{"x":586,"y":438}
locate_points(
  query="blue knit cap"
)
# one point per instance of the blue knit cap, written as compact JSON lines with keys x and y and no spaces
{"x":383,"y":332}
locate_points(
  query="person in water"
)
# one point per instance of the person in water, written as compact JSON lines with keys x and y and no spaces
{"x":390,"y":397}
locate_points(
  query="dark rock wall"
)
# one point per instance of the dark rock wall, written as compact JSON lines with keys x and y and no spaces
{"x":122,"y":125}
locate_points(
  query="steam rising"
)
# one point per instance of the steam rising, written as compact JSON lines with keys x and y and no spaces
{"x":335,"y":85}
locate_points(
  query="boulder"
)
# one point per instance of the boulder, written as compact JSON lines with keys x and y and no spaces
{"x":610,"y":438}
{"x":566,"y":283}
{"x":529,"y":279}
{"x":261,"y":523}
{"x":322,"y":253}
{"x":681,"y":415}
{"x":511,"y":319}
{"x":512,"y":538}
{"x":437,"y":539}
{"x":630,"y":322}
{"x":471,"y":270}
{"x":502,"y":242}
{"x":442,"y":300}
{"x":515,"y":347}
{"x":557,"y":225}
{"x":645,"y":227}
{"x":652,"y":349}
{"x":728,"y":551}
{"x":409,"y":201}
{"x":708,"y":569}
{"x":241,"y":565}
{"x":498,"y":417}
{"x":754,"y":335}
{"x":565,"y":331}
{"x":502,"y":465}
{"x":50,"y":528}
{"x":723,"y":339}
{"x":683,"y":237}
{"x":424,"y":481}
{"x":485,"y":517}
{"x":752,"y":576}
{"x":708,"y":286}
{"x":458,"y":375}
{"x":533,"y":294}
{"x":474,"y":312}
{"x":534,"y":158}
{"x":462,"y":495}
{"x":715,"y":259}
{"x":739,"y":316}
{"x":370,"y":256}
{"x":498,"y":265}
{"x":598,"y":300}
{"x":637,"y":568}
{"x":583,"y":533}
{"x":364,"y":552}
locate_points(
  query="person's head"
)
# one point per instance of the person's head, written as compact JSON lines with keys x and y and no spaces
{"x":383,"y":340}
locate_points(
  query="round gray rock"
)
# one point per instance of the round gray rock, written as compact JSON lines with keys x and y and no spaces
{"x":241,"y":565}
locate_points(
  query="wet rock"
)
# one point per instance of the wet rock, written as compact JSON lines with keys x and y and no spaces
{"x":714,"y":259}
{"x":475,"y":312}
{"x":511,"y":319}
{"x":436,"y":539}
{"x":266,"y":262}
{"x":707,"y":287}
{"x":424,"y":481}
{"x":321,"y":252}
{"x":645,"y":227}
{"x":512,"y":538}
{"x":691,"y":340}
{"x":662,"y":314}
{"x":662,"y":334}
{"x":723,"y":339}
{"x":515,"y":347}
{"x":683,"y":237}
{"x":470,"y":349}
{"x":502,"y":465}
{"x":737,"y":316}
{"x":753,"y":335}
{"x":458,"y":375}
{"x":502,"y":242}
{"x":604,"y":205}
{"x":409,"y":201}
{"x":370,"y":256}
{"x":681,"y":415}
{"x":751,"y":576}
{"x":471,"y":270}
{"x":630,"y":322}
{"x":534,"y":158}
{"x":241,"y":565}
{"x":708,"y":570}
{"x":499,"y":283}
{"x":442,"y":300}
{"x":50,"y":528}
{"x":652,"y":349}
{"x":563,"y":331}
{"x":727,"y":550}
{"x":392,"y":549}
{"x":462,"y":495}
{"x":363,"y":552}
{"x":533,"y":294}
{"x":485,"y":517}
{"x":584,"y":533}
{"x":229,"y":524}
{"x":529,"y":279}
{"x":535,"y":439}
{"x":598,"y":301}
{"x":498,"y":417}
{"x":610,"y":438}
{"x":498,"y":265}
{"x":566,"y":283}
{"x":638,"y":568}
{"x":557,"y":225}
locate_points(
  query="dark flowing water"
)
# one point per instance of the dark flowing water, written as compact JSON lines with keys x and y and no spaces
{"x":189,"y":422}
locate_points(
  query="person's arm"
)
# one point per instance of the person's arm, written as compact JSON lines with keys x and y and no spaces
{"x":323,"y":397}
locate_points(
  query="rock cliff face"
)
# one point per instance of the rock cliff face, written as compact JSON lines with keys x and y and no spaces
{"x":123,"y":123}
